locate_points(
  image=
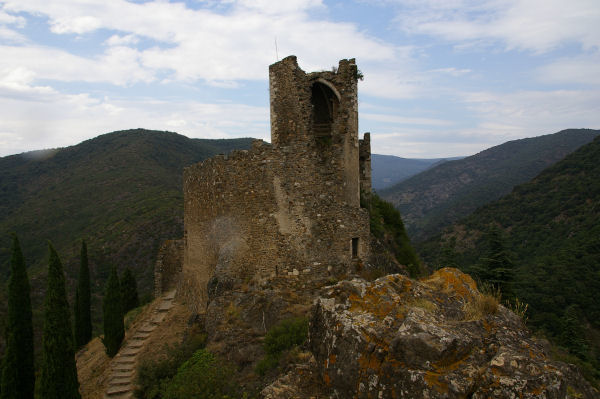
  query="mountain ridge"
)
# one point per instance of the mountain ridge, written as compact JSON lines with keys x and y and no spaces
{"x":443,"y":194}
{"x":552,"y":228}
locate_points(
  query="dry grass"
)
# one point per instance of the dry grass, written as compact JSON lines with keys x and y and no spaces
{"x":423,"y":304}
{"x":92,"y":369}
{"x":482,"y":306}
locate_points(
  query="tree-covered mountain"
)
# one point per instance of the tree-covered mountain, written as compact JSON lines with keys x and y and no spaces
{"x":445,"y":193}
{"x":121,"y":192}
{"x":388,"y":170}
{"x":551,"y":227}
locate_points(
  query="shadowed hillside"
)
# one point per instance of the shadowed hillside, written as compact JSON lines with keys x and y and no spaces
{"x":551,"y":226}
{"x":388,"y":170}
{"x":120,"y":191}
{"x":443,"y":194}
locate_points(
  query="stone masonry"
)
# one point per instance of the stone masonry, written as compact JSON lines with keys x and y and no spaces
{"x":168,"y":266}
{"x":287,"y":208}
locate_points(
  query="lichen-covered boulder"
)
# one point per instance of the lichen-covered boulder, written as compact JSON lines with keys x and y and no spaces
{"x":436,"y":338}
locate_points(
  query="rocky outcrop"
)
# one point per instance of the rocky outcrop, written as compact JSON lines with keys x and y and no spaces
{"x":436,"y":338}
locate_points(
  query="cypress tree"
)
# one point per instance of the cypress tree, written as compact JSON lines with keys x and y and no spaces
{"x":18,"y":373}
{"x":129,"y":293}
{"x":82,"y":307}
{"x":112,"y":308}
{"x":58,"y":378}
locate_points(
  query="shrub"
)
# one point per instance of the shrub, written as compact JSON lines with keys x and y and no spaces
{"x":202,"y":376}
{"x":286,"y":335}
{"x":280,"y":338}
{"x":153,"y":375}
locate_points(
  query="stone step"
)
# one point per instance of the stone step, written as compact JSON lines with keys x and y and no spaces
{"x":128,"y":352}
{"x":165,"y":306}
{"x":158,"y":318}
{"x":122,"y":374}
{"x":146,"y":328}
{"x":135,"y":343}
{"x":123,"y":368}
{"x":125,"y":360}
{"x":119,"y":381}
{"x":118,"y":389}
{"x":120,"y":384}
{"x":170,"y":295}
{"x":121,"y":395}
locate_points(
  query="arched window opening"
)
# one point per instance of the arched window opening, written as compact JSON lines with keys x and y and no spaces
{"x":324,"y":110}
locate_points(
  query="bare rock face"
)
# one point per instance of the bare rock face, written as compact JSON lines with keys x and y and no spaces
{"x":436,"y":338}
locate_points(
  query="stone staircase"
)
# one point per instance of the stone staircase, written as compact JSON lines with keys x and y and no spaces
{"x":121,"y":381}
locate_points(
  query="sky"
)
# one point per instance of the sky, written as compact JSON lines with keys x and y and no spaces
{"x":442,"y":78}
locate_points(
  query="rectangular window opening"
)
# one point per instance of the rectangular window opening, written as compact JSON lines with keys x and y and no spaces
{"x":355,"y":247}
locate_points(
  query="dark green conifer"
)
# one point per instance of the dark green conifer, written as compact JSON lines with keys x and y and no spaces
{"x":82,"y":307}
{"x":18,"y":373}
{"x":112,"y":308}
{"x":58,"y":378}
{"x":129,"y":293}
{"x":497,"y":267}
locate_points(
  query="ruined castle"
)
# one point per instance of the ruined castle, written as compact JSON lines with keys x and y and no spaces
{"x":289,"y":208}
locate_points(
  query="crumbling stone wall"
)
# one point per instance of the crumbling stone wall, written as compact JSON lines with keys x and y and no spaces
{"x":287,"y":208}
{"x":364,"y":161}
{"x":169,"y":263}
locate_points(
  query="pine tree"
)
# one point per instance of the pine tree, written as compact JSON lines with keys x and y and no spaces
{"x":497,"y":267}
{"x":18,"y":373}
{"x":112,"y":307}
{"x":82,"y":307}
{"x":58,"y":378}
{"x":129,"y":293}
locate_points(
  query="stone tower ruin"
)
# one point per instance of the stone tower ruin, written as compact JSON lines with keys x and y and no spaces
{"x":290,"y":208}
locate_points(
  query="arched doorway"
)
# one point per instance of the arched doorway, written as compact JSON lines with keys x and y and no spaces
{"x":325,"y":105}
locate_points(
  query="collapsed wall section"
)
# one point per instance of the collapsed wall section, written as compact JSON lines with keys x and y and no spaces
{"x":169,"y":263}
{"x":364,"y":162}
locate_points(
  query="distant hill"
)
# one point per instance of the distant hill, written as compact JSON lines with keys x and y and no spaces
{"x":120,"y":191}
{"x":552,"y":228}
{"x":388,"y":170}
{"x":443,"y":194}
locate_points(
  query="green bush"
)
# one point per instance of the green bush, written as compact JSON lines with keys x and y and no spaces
{"x":386,"y":224}
{"x":152,"y":376}
{"x":280,"y":338}
{"x":202,"y":376}
{"x":285,"y":335}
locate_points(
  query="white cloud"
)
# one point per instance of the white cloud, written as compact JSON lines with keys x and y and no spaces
{"x":535,"y":25}
{"x":116,"y":40}
{"x":454,"y":72}
{"x":31,"y":123}
{"x":404,"y":120}
{"x":583,"y":69}
{"x":280,"y":7}
{"x":530,"y":113}
{"x":212,"y":46}
{"x":118,"y":65}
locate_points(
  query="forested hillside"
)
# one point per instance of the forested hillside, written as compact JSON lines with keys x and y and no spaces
{"x":121,"y":191}
{"x":443,"y":194}
{"x":388,"y":170}
{"x":551,"y":233}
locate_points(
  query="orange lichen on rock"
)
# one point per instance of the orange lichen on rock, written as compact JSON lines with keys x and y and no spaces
{"x":432,"y":379}
{"x":451,"y":280}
